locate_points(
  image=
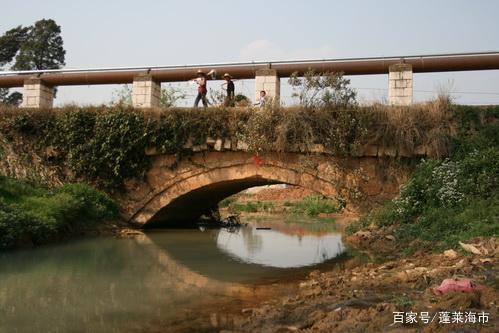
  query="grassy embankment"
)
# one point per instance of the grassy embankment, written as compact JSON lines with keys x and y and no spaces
{"x":311,"y":205}
{"x":452,"y":199}
{"x":32,"y":214}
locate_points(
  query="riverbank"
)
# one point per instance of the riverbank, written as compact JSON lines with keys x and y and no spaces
{"x":362,"y":297}
{"x":362,"y":293}
{"x":279,"y":199}
{"x":33,"y":214}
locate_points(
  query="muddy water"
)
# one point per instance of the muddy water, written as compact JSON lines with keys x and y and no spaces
{"x":164,"y":281}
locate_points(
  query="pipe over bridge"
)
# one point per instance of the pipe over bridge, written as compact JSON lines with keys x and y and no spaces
{"x":146,"y":80}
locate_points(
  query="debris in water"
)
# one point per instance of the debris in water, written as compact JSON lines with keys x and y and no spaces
{"x":231,"y":223}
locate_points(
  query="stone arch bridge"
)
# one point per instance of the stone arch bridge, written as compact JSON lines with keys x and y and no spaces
{"x":181,"y":191}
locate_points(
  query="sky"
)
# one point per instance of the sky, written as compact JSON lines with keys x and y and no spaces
{"x":151,"y":33}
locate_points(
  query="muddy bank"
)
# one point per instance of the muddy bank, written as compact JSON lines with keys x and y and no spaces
{"x":362,"y":297}
{"x":364,"y":293}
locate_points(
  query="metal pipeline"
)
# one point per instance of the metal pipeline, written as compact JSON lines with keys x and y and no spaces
{"x":357,"y":66}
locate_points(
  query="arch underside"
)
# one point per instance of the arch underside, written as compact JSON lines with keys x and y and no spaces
{"x":185,"y":200}
{"x":188,"y":208}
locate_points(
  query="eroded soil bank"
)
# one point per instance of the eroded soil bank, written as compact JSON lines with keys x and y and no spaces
{"x":363,"y":293}
{"x":362,"y":297}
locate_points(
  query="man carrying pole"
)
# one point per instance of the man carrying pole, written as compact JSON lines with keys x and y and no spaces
{"x":202,"y":89}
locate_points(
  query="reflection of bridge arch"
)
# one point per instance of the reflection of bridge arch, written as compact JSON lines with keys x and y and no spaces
{"x":182,"y":277}
{"x":198,"y":184}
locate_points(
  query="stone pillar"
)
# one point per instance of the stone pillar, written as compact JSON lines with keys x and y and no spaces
{"x":268,"y":80}
{"x":37,"y":94}
{"x":145,"y":92}
{"x":400,"y":84}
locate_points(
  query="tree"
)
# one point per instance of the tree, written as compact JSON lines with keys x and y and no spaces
{"x":42,"y":49}
{"x":122,"y":96}
{"x":32,"y":48}
{"x":10,"y":43}
{"x":14,"y":98}
{"x":169,"y":96}
{"x":216,"y":97}
{"x":322,"y":90}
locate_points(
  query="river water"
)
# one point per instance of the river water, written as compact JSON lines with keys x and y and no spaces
{"x":171,"y":280}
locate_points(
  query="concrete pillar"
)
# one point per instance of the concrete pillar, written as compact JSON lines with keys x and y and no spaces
{"x":146,"y":92}
{"x":267,"y":79}
{"x":37,"y":94}
{"x":400,"y":84}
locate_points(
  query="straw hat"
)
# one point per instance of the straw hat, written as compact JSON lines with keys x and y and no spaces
{"x":200,"y":72}
{"x":227,"y":75}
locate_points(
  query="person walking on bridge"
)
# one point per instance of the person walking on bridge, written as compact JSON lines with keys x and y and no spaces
{"x":229,"y":99}
{"x":202,"y":89}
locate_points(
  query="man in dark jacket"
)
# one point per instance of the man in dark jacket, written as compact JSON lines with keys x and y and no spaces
{"x":229,"y":99}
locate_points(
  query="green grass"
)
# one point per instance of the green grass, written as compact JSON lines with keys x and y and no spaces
{"x":314,"y":205}
{"x":447,"y":201}
{"x":30,"y":212}
{"x":402,"y":301}
{"x":311,"y":205}
{"x":252,"y":206}
{"x":226,"y":202}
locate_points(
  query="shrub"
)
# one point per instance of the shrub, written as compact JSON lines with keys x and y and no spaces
{"x":29,"y":212}
{"x":314,"y":205}
{"x":448,"y":200}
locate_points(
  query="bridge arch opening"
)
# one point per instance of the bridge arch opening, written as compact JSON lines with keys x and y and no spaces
{"x":189,"y":207}
{"x":182,"y":202}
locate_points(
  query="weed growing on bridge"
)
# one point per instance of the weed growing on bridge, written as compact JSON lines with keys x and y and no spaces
{"x":106,"y":145}
{"x":341,"y":132}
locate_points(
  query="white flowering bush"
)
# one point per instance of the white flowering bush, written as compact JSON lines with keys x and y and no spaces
{"x":447,"y":201}
{"x":447,"y":185}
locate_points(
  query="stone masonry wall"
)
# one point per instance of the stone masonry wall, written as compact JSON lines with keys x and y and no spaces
{"x":400,"y":84}
{"x":37,"y":95}
{"x":146,"y":92}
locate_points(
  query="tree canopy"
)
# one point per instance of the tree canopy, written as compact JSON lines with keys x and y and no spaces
{"x":42,"y":49}
{"x":10,"y":43}
{"x":35,"y":47}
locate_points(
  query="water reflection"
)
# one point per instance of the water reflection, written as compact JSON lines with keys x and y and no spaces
{"x":165,"y":279}
{"x":276,"y":248}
